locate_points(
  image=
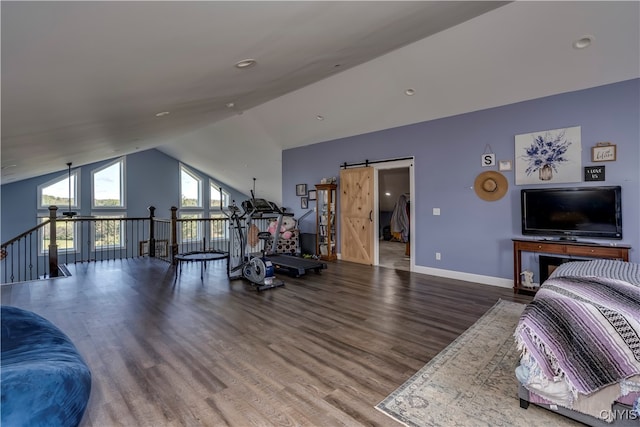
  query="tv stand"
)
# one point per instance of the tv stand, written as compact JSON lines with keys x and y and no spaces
{"x":564,"y":247}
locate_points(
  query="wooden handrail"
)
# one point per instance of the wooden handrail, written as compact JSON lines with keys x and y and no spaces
{"x":38,"y":251}
{"x":31,"y":230}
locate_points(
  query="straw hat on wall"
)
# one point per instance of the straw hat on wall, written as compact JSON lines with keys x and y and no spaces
{"x":491,"y":186}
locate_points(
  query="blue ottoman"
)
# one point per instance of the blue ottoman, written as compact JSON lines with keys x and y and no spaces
{"x":45,"y":381}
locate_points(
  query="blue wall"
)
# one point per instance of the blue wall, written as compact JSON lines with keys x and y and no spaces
{"x":152,"y":178}
{"x":474,"y":236}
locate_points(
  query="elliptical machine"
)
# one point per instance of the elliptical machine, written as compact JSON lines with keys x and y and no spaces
{"x":258,"y":270}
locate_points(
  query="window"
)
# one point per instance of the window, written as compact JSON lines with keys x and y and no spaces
{"x":65,"y":236}
{"x":219,"y":226}
{"x":108,"y":232}
{"x":219,"y":230}
{"x":108,"y":185}
{"x":214,"y":197}
{"x":63,"y":192}
{"x":190,"y":189}
{"x":57,"y":191}
{"x":190,"y":231}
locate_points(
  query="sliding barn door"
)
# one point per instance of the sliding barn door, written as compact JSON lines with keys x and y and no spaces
{"x":356,"y":215}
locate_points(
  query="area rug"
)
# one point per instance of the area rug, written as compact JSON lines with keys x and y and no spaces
{"x":472,"y":382}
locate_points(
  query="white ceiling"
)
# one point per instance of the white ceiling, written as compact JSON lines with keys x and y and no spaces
{"x":82,"y":81}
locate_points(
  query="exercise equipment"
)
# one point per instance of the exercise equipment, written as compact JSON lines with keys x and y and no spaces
{"x":294,"y":266}
{"x":258,"y":270}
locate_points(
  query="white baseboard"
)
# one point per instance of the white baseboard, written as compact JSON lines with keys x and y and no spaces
{"x":468,"y":277}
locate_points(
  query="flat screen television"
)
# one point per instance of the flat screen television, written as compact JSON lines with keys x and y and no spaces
{"x":571,"y":213}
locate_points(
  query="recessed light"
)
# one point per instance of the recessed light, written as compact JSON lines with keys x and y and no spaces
{"x":409,"y":92}
{"x":387,"y":194}
{"x":319,"y":117}
{"x":162,"y":113}
{"x":246,"y":63}
{"x":583,"y":42}
{"x":230,"y":104}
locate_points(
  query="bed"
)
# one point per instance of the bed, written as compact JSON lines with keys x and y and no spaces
{"x":580,"y":343}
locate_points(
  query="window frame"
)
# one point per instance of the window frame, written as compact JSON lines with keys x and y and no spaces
{"x":123,"y":187}
{"x":43,"y":249}
{"x":199,"y":227}
{"x":199,"y":180}
{"x":225,"y":196}
{"x":75,"y":174}
{"x":107,"y":216}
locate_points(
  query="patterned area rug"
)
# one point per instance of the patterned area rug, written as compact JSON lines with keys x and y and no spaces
{"x":472,"y":382}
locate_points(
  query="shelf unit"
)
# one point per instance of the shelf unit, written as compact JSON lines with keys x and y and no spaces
{"x":326,"y":221}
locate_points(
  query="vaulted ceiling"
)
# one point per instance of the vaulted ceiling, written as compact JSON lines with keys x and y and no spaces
{"x":85,"y":81}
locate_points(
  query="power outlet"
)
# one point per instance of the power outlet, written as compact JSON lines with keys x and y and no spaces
{"x":438,"y":256}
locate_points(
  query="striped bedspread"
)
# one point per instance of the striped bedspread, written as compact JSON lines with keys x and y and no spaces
{"x":584,"y":330}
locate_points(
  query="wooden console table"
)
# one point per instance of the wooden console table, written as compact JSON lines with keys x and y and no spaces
{"x":562,"y":247}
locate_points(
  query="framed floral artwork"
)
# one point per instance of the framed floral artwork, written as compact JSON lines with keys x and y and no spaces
{"x":548,"y":157}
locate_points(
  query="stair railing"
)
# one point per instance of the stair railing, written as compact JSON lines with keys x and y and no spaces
{"x":41,"y":251}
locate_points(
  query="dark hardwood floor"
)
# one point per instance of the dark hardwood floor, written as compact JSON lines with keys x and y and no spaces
{"x":321,"y":351}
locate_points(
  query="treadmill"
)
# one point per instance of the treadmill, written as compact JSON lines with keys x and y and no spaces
{"x":292,"y":265}
{"x":295,"y":266}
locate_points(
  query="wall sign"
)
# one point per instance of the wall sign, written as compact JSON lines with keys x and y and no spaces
{"x":603,"y":152}
{"x":488,"y":159}
{"x":594,"y":173}
{"x":504,"y":165}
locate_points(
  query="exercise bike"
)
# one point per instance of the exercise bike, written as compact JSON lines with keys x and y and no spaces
{"x":258,"y":270}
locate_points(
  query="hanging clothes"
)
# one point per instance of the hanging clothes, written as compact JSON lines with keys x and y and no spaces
{"x":400,"y":219}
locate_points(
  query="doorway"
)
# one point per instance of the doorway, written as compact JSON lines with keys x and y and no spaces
{"x":393,"y":228}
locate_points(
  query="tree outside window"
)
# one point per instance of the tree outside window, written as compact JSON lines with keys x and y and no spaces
{"x":108,"y":232}
{"x":190,"y":231}
{"x":65,"y":236}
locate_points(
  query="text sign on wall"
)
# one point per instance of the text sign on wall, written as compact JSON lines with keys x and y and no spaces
{"x":594,"y":173}
{"x":488,"y":159}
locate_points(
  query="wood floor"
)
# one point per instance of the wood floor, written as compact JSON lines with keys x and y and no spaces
{"x":321,"y":351}
{"x":393,"y":255}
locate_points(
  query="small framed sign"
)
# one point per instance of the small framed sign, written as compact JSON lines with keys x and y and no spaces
{"x":603,"y":152}
{"x":504,"y":165}
{"x":594,"y":173}
{"x":488,"y":159}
